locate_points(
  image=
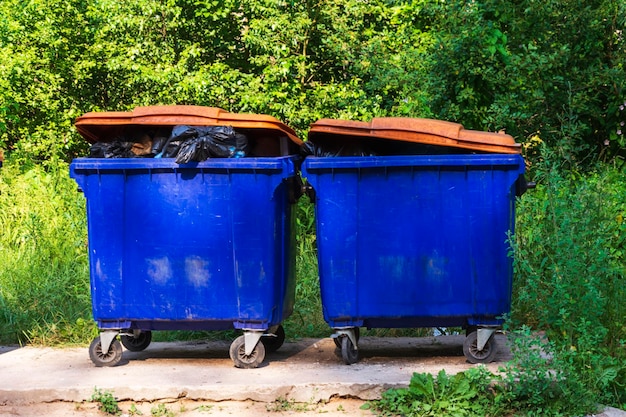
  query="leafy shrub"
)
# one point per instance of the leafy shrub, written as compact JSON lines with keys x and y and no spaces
{"x":570,"y":256}
{"x":540,"y":381}
{"x":570,"y":265}
{"x":469,"y":393}
{"x":307,"y":319}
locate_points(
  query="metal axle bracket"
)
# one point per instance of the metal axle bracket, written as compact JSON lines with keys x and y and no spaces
{"x":484,"y":334}
{"x":348,"y":331}
{"x":251,"y":338}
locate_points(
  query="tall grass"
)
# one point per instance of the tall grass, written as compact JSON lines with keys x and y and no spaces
{"x":44,"y":284}
{"x":307,"y":319}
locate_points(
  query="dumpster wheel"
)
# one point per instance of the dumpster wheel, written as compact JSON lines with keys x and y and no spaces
{"x":138,"y":341}
{"x":110,"y":358}
{"x":275,"y":340}
{"x":238,"y":354}
{"x":473,"y":355}
{"x":348,"y":352}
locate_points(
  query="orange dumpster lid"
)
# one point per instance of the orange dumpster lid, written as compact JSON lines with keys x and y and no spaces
{"x":424,"y":131}
{"x":105,"y":126}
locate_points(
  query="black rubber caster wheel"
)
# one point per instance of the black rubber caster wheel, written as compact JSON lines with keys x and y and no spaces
{"x":473,"y":355}
{"x":110,"y":358}
{"x":137,"y":343}
{"x":273,"y":343}
{"x":348,"y":352}
{"x":241,"y":360}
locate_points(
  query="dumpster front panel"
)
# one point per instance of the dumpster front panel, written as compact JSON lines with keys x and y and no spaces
{"x":414,"y":241}
{"x":208,"y":243}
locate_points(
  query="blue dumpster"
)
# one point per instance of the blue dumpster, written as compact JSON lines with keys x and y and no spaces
{"x":198,"y":246}
{"x":415,"y":241}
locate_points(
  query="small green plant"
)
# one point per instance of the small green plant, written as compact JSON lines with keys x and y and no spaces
{"x":133,"y":411}
{"x":468,"y":393}
{"x":282,"y":404}
{"x":205,"y":408}
{"x":161,"y":411}
{"x":108,"y":403}
{"x":540,"y":380}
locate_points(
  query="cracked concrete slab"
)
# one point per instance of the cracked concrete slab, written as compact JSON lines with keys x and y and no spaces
{"x":304,"y":370}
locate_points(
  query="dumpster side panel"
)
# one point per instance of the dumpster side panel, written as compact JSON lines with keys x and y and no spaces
{"x":206,"y":243}
{"x":414,"y":241}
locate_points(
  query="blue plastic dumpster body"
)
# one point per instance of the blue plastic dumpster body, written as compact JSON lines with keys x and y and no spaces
{"x":200,"y":246}
{"x":414,"y":241}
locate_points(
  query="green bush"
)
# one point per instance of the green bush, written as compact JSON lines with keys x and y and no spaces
{"x":570,"y":266}
{"x":570,"y":255}
{"x":537,"y":382}
{"x":469,"y":393}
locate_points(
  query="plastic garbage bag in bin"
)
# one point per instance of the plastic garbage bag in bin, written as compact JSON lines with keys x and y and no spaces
{"x":313,"y":148}
{"x":199,"y":143}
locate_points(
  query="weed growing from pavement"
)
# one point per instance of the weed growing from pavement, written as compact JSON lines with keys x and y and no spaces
{"x":282,"y":404}
{"x":108,"y":403}
{"x":205,"y":408}
{"x":467,"y":393}
{"x":161,"y":411}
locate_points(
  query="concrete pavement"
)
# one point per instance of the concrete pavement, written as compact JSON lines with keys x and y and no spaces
{"x":308,"y":370}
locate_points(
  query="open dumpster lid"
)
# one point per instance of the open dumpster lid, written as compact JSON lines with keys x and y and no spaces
{"x":423,"y":131}
{"x":105,"y":126}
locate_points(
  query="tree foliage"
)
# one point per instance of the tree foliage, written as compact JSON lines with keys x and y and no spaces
{"x":552,"y":70}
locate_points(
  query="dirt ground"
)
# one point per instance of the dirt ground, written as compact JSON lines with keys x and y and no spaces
{"x":336,"y":407}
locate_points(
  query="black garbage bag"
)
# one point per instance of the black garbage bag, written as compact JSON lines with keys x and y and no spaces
{"x":165,"y":147}
{"x":199,"y":143}
{"x":327,"y":148}
{"x":114,"y":149}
